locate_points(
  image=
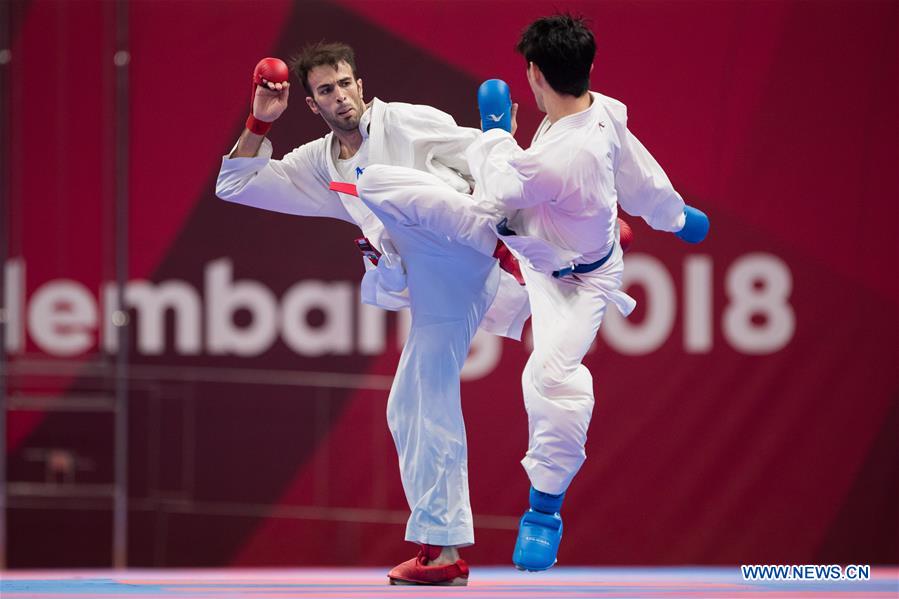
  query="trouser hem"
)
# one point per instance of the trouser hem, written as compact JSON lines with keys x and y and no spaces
{"x":455,"y":537}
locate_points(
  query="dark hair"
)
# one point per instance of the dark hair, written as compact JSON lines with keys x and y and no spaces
{"x":318,"y":54}
{"x":563,"y":47}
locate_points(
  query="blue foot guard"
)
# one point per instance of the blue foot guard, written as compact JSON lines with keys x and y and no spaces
{"x":539,"y":533}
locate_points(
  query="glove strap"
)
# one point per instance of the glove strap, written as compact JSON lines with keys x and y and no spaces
{"x":256,"y":126}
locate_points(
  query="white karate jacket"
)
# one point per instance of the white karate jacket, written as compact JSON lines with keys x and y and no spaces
{"x":398,"y":134}
{"x":562,"y":194}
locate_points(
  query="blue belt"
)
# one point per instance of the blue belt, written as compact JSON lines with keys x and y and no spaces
{"x":503,"y":229}
{"x":582,"y":268}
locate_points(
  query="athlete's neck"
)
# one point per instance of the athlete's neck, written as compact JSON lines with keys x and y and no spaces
{"x":350,"y":142}
{"x":559,"y":106}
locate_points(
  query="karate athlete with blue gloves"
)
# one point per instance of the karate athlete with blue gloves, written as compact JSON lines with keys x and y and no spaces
{"x":560,"y":201}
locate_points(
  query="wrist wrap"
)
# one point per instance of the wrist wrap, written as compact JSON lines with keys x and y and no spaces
{"x":256,"y":126}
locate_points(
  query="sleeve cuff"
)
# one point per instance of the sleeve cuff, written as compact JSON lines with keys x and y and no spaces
{"x":477,"y":152}
{"x":264,"y":153}
{"x":497,"y":133}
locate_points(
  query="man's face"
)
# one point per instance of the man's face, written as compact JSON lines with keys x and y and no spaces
{"x":534,"y":79}
{"x":336,"y":96}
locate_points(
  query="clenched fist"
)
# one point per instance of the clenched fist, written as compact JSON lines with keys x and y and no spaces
{"x":270,"y":89}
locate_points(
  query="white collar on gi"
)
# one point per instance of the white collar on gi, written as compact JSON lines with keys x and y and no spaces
{"x":365,"y":121}
{"x":578,"y":119}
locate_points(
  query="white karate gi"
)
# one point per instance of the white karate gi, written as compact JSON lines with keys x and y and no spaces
{"x":561,"y":196}
{"x":448,"y":286}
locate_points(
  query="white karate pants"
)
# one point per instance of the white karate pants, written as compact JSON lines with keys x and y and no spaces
{"x":451,"y":286}
{"x":557,"y":387}
{"x":566,"y":315}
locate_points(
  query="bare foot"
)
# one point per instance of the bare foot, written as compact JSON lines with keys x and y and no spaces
{"x":448,"y":555}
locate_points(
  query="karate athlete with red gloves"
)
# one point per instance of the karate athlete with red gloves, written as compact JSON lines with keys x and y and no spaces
{"x":450,"y":288}
{"x":560,"y":198}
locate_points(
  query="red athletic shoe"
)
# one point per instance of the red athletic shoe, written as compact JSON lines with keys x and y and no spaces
{"x":507,"y":261}
{"x":417,"y":570}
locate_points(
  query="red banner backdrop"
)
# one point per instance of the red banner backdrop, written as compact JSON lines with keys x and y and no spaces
{"x":747,"y":412}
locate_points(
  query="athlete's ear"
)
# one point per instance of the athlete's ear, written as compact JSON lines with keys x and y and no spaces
{"x":312,"y":105}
